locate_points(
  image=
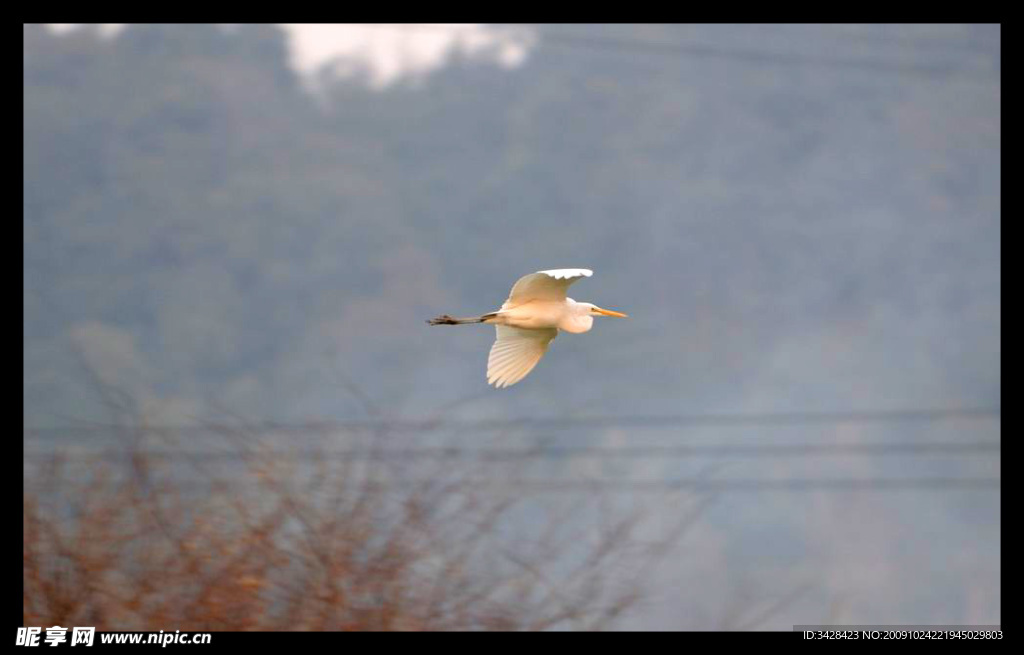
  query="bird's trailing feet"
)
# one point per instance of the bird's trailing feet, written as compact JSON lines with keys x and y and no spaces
{"x":445,"y":319}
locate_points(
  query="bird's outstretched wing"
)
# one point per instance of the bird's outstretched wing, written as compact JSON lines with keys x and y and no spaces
{"x":515,"y":352}
{"x":544,"y":285}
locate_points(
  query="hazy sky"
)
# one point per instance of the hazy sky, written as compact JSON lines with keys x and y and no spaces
{"x":806,"y":221}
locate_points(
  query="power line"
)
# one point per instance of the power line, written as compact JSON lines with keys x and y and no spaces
{"x":755,"y":485}
{"x":603,"y":452}
{"x":760,"y":57}
{"x":745,"y":55}
{"x":922,"y":42}
{"x":552,"y":423}
{"x":699,"y":485}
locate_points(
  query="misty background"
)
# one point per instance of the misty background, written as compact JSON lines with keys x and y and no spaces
{"x":800,"y":220}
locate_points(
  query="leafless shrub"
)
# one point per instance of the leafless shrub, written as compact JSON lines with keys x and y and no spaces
{"x":138,"y":539}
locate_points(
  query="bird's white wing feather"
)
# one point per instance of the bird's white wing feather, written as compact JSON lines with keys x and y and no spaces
{"x":515,"y":352}
{"x":544,"y":285}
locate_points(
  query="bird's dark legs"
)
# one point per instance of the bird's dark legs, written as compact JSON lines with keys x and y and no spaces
{"x":445,"y":319}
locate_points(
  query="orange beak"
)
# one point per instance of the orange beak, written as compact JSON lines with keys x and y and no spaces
{"x":608,"y":312}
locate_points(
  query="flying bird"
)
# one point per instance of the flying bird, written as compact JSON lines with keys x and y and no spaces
{"x":536,"y":309}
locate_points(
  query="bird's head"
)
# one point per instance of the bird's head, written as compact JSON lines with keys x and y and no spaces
{"x":594,"y":310}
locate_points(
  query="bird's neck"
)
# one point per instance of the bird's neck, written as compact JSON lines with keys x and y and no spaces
{"x":578,"y":320}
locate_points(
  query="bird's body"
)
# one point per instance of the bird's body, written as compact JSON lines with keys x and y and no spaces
{"x":541,"y":314}
{"x":536,"y":309}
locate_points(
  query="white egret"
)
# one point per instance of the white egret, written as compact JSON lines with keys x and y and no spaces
{"x":536,"y":309}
